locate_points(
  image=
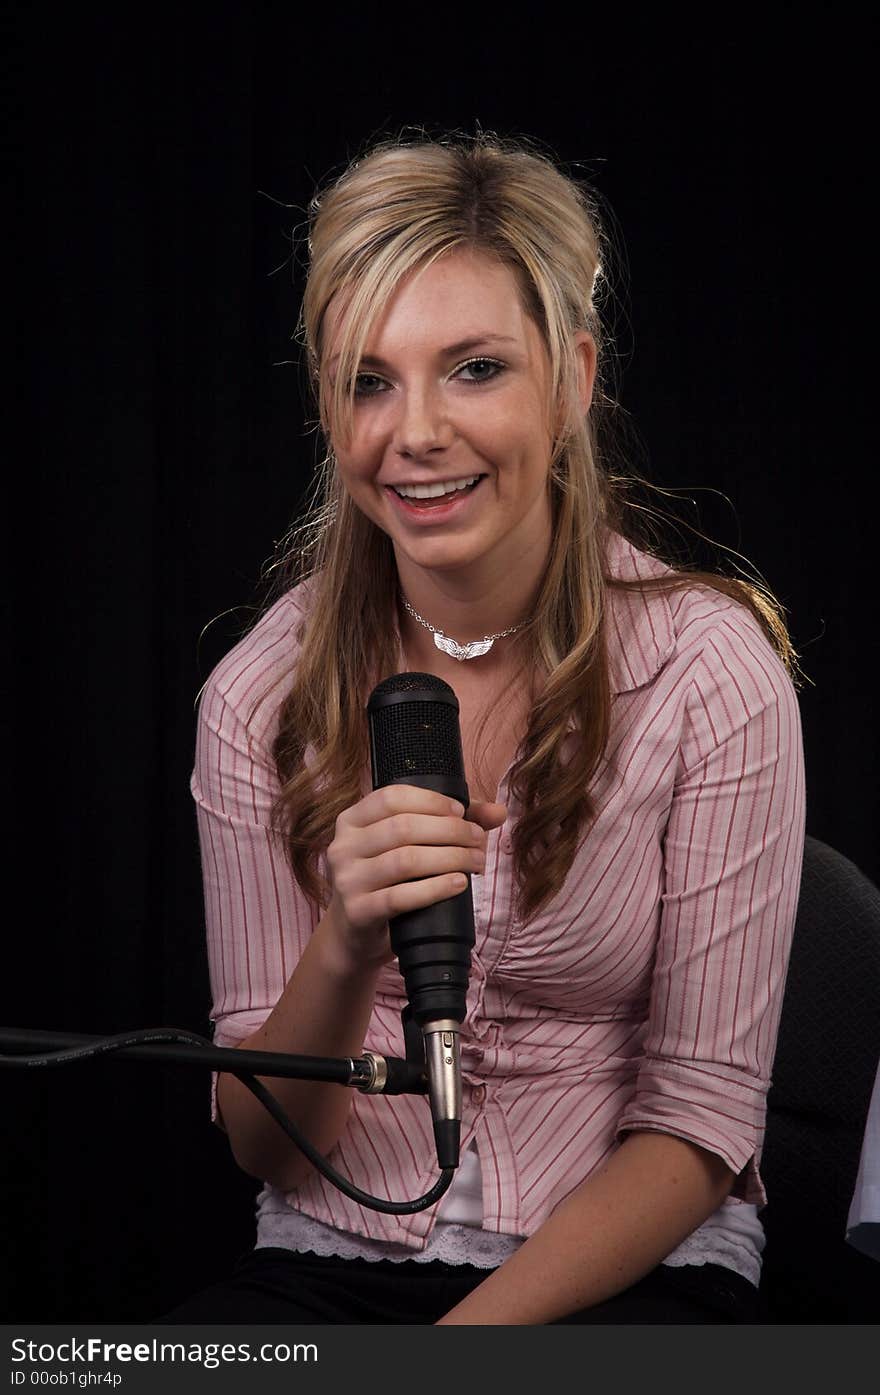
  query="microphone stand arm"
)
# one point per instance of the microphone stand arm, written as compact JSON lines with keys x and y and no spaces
{"x":370,"y":1073}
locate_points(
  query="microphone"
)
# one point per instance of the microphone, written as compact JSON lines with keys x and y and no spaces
{"x":415,"y":739}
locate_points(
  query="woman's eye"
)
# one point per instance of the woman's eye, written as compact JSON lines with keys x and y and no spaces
{"x":361,"y":378}
{"x":484,"y":363}
{"x":365,"y":383}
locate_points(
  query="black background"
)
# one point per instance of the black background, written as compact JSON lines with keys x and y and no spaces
{"x":159,"y":445}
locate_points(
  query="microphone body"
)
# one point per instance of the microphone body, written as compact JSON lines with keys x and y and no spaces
{"x":415,"y":739}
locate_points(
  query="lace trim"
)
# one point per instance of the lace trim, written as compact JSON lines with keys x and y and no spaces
{"x":734,"y":1246}
{"x":455,"y":1244}
{"x":733,"y":1236}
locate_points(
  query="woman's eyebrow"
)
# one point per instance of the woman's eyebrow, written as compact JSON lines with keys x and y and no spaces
{"x":474,"y":342}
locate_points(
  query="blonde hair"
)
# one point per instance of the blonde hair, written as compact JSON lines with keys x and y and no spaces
{"x":396,"y":209}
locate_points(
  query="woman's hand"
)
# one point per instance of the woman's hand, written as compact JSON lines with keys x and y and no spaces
{"x":398,"y":849}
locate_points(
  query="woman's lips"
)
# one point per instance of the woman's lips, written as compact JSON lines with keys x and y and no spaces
{"x":437,"y":513}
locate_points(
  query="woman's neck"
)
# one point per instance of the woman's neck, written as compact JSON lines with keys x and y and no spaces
{"x":465,"y":615}
{"x":422,"y":655}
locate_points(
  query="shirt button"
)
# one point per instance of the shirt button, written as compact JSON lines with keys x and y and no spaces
{"x":479,"y":1094}
{"x":506,"y":844}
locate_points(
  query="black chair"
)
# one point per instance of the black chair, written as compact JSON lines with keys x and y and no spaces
{"x":823,"y":1074}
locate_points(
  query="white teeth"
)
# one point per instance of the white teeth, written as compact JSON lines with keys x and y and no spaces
{"x":433,"y":491}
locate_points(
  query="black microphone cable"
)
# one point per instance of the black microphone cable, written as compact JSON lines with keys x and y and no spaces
{"x":174,"y":1036}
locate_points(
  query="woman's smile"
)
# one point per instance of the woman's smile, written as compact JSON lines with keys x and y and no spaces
{"x":449,"y":501}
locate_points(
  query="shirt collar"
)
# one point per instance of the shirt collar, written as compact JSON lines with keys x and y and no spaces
{"x":639,"y":632}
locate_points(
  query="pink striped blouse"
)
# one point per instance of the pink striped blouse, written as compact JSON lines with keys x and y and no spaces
{"x":646,"y":995}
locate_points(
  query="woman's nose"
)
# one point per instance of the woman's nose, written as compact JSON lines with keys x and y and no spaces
{"x":422,"y":423}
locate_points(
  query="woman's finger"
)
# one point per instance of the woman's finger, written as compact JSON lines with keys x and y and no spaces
{"x":400,"y":799}
{"x":410,"y":830}
{"x":487,"y":815}
{"x":411,"y":896}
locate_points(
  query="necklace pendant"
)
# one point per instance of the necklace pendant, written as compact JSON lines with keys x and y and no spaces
{"x":462,"y":651}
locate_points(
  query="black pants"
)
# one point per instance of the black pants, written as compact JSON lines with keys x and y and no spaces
{"x":276,"y":1285}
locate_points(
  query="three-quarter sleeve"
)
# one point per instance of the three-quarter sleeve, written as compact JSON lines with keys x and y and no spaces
{"x":257,"y":919}
{"x":732,"y":862}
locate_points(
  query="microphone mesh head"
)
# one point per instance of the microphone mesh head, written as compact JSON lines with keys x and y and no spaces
{"x":414,"y":729}
{"x":408,"y":682}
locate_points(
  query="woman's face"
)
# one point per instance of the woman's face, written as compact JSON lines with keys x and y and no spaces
{"x":432,"y":408}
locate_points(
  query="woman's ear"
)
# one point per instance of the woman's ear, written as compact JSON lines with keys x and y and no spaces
{"x":585,"y":351}
{"x":585,"y":373}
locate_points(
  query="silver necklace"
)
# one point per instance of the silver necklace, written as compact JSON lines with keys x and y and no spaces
{"x":474,"y":650}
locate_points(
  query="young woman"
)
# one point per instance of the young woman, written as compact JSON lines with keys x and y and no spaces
{"x":634,"y":762}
